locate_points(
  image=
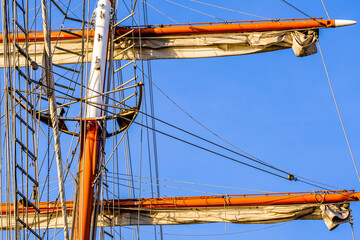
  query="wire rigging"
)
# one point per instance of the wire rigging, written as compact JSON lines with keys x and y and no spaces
{"x":162,"y":185}
{"x":159,"y":11}
{"x":338,"y":112}
{"x":260,"y":162}
{"x":352,"y":228}
{"x":194,"y":183}
{"x":195,"y":10}
{"x":290,"y":176}
{"x":200,"y":147}
{"x":297,"y":9}
{"x":211,"y":151}
{"x":152,"y":82}
{"x":248,"y":158}
{"x":207,"y":129}
{"x":228,"y":9}
{"x":218,"y":234}
{"x":325,"y":9}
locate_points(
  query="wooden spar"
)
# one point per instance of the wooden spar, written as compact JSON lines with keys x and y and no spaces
{"x":240,"y":200}
{"x":172,"y":203}
{"x":191,"y":28}
{"x":231,"y":28}
{"x":55,"y":34}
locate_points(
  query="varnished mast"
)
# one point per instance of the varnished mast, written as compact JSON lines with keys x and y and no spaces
{"x":90,"y":151}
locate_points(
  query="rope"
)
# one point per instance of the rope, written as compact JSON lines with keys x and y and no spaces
{"x":142,"y":121}
{"x":292,"y":6}
{"x":195,"y":10}
{"x":228,"y":9}
{"x":151,"y":95}
{"x":218,"y":234}
{"x":338,"y":111}
{"x":203,"y":148}
{"x":161,"y":185}
{"x":325,"y":9}
{"x":194,"y":183}
{"x":159,"y":11}
{"x":249,"y":156}
{"x":252,"y":157}
{"x":317,"y":182}
{"x":211,"y":151}
{"x":48,"y":175}
{"x":54,"y":119}
{"x":352,"y":227}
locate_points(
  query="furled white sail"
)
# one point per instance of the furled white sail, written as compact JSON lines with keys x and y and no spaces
{"x":332,"y":214}
{"x":184,"y":46}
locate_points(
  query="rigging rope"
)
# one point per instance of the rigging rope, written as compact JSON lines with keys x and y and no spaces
{"x":218,"y":234}
{"x":325,"y":9}
{"x":151,"y":94}
{"x":207,"y":129}
{"x":47,"y":68}
{"x":200,"y":184}
{"x":290,"y":175}
{"x":142,"y":120}
{"x":317,"y":182}
{"x":166,"y":186}
{"x":352,"y":227}
{"x":228,"y":9}
{"x":195,"y":10}
{"x":211,"y":151}
{"x":260,"y":161}
{"x":292,"y":6}
{"x":160,"y":90}
{"x":159,"y":11}
{"x":338,"y":112}
{"x":48,"y":175}
{"x":203,"y":148}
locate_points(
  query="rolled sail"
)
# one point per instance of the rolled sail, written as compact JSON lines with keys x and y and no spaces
{"x":332,"y":207}
{"x":177,"y":42}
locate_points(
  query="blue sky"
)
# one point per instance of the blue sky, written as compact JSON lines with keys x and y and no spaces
{"x":274,"y":106}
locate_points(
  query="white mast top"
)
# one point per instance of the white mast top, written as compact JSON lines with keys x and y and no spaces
{"x":98,"y":63}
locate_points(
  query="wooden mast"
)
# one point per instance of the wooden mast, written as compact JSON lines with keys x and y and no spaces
{"x":90,"y":151}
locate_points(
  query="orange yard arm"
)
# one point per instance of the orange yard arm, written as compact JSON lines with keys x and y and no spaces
{"x":241,"y":200}
{"x":43,"y":207}
{"x":189,"y":28}
{"x":253,"y":26}
{"x":213,"y":201}
{"x":54,"y":35}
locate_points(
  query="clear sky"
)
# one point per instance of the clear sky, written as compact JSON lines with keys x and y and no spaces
{"x":274,"y":106}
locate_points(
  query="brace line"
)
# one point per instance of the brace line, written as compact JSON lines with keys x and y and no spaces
{"x":338,"y":111}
